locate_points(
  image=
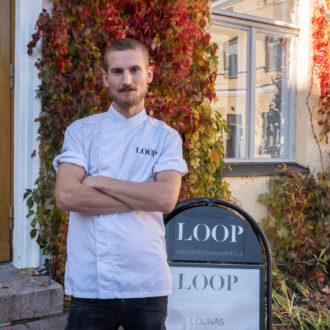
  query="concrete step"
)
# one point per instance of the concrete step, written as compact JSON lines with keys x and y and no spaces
{"x":54,"y":322}
{"x":24,"y":296}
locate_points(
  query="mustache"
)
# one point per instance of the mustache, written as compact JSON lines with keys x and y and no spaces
{"x":127,"y":89}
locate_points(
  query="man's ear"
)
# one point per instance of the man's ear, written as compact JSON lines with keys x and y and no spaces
{"x":105,"y":79}
{"x":150,"y":74}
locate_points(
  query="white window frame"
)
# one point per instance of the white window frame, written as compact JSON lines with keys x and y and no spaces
{"x":254,"y":25}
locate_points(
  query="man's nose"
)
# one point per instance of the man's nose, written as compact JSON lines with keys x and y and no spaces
{"x":127,"y":78}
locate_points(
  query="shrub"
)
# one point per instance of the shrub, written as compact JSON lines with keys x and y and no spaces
{"x":298,"y":223}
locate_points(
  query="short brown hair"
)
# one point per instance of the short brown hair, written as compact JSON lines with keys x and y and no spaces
{"x":125,"y":44}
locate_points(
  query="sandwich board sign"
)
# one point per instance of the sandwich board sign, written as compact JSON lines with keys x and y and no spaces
{"x":217,"y":260}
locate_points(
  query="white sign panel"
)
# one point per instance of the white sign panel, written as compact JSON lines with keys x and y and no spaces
{"x":207,"y":298}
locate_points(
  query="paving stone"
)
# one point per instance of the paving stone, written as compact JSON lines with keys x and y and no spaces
{"x":27,"y":297}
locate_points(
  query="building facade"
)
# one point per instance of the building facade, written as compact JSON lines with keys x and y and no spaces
{"x":263,"y":83}
{"x":264,"y":76}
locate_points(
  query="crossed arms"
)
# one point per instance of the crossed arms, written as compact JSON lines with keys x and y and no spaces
{"x":104,"y":195}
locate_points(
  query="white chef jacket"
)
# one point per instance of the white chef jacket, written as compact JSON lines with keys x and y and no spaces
{"x":119,"y":255}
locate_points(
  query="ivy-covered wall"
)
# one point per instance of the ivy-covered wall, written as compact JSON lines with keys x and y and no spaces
{"x":74,"y":35}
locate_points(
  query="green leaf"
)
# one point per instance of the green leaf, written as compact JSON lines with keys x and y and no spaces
{"x":27,"y":193}
{"x":30,"y":202}
{"x":34,"y":222}
{"x":31,"y":212}
{"x":33,"y":233}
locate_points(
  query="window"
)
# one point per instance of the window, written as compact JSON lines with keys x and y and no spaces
{"x":280,"y":10}
{"x":255,"y":85}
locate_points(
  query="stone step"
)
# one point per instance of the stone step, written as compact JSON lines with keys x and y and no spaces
{"x":24,"y":297}
{"x":54,"y":322}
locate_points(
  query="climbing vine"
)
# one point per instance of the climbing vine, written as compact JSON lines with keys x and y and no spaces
{"x":321,"y":64}
{"x":74,"y":36}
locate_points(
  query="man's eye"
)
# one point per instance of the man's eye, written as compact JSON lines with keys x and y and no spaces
{"x":117,"y":71}
{"x":135,"y":69}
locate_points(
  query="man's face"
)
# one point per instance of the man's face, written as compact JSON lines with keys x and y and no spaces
{"x":127,"y":80}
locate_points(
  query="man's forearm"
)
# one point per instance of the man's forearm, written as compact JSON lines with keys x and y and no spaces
{"x":158,"y":196}
{"x":72,"y":195}
{"x":87,"y":200}
{"x":138,"y":195}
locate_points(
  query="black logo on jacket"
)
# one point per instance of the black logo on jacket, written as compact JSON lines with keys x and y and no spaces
{"x":146,"y":151}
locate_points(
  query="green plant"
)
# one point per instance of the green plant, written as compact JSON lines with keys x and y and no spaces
{"x":298,"y":223}
{"x":297,"y":227}
{"x":297,"y":305}
{"x":74,"y":36}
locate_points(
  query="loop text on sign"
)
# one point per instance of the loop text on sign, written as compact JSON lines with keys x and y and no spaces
{"x":202,"y":232}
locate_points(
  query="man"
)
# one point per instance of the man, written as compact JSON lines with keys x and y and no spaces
{"x":117,"y":173}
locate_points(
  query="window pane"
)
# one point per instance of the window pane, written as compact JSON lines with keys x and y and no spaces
{"x":271,"y":133}
{"x":282,"y":10}
{"x":231,"y":87}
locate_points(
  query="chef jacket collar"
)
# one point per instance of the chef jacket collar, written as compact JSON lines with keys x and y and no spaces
{"x":130,"y":122}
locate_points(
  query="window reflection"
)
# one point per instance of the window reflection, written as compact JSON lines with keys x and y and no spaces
{"x":234,"y":123}
{"x":231,"y":86}
{"x":230,"y":58}
{"x":271,"y":115}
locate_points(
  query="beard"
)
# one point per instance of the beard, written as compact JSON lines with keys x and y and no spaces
{"x":125,"y":99}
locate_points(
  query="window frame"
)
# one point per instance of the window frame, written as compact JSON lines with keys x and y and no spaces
{"x":254,"y":25}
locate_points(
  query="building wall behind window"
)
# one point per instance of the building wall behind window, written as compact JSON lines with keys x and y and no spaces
{"x":270,"y":133}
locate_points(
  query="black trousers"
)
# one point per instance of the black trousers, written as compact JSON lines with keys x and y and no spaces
{"x":108,"y":314}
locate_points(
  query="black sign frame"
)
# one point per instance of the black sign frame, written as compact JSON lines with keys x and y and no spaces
{"x":192,"y":203}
